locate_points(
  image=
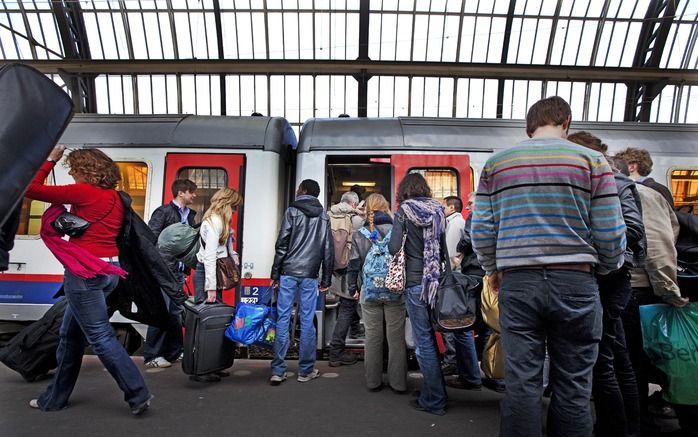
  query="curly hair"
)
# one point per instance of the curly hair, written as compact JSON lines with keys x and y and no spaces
{"x":223,"y":203}
{"x":413,"y":185}
{"x":588,"y":140}
{"x":375,"y":203}
{"x":641,"y":157}
{"x":95,"y":167}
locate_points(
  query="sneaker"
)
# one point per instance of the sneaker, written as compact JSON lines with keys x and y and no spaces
{"x":140,"y":408}
{"x":34,"y":403}
{"x":345,"y":359}
{"x":158,"y":362}
{"x":278,"y":379}
{"x":310,"y":376}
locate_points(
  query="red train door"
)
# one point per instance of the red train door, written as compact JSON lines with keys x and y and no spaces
{"x":447,"y":175}
{"x":210,"y":172}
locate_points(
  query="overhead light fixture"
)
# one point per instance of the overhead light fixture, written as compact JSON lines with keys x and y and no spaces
{"x":361,"y":184}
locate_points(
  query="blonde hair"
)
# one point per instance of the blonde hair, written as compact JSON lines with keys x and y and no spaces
{"x":223,"y":202}
{"x":375,"y":203}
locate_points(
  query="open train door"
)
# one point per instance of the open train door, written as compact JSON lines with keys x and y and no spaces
{"x":210,"y":172}
{"x":447,"y":175}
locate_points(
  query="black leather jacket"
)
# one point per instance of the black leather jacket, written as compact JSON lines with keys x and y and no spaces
{"x":632,"y":215}
{"x":304,"y":242}
{"x":469,"y":265}
{"x":167,"y":215}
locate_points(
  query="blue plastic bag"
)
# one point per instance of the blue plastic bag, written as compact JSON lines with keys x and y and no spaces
{"x":670,"y":338}
{"x":269,"y":332}
{"x":248,"y":323}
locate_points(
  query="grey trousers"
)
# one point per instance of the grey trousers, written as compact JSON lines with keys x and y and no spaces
{"x":394,"y":315}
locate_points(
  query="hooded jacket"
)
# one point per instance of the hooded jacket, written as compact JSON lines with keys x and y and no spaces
{"x":343,"y":210}
{"x":361,"y":245}
{"x":304,"y":242}
{"x":631,"y":206}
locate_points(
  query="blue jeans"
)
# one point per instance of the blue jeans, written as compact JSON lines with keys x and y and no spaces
{"x":200,"y":294}
{"x":86,"y":321}
{"x":290,"y":286}
{"x":432,"y":395}
{"x":560,"y":308}
{"x":466,"y":357}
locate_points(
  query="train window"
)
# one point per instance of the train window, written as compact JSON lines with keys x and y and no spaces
{"x":442,"y":181}
{"x":134,"y":181}
{"x":684,"y":185}
{"x":208,"y":181}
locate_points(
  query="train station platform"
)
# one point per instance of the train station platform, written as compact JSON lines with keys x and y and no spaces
{"x":335,"y":405}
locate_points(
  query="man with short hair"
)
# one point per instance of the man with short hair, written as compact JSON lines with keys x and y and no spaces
{"x":640,"y":166}
{"x":547,"y":216}
{"x":303,"y":245}
{"x":344,"y":220}
{"x":163,"y":346}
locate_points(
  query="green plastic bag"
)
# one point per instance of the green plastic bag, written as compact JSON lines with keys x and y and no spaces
{"x":670,"y":338}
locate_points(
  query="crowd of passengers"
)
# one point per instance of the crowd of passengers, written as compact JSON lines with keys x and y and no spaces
{"x":571,"y":241}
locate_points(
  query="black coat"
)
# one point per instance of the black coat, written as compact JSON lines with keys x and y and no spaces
{"x":167,"y":215}
{"x":304,"y":242}
{"x":631,"y":206}
{"x":148,"y":273}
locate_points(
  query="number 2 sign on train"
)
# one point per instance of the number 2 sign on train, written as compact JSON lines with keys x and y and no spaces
{"x":261,"y":157}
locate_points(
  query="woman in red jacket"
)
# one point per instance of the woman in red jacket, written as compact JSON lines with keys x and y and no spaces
{"x":92,"y":197}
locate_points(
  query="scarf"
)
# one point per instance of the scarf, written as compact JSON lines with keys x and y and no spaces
{"x":428,"y":214}
{"x":74,"y":258}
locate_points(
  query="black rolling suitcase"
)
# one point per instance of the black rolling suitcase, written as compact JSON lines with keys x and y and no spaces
{"x":32,"y":352}
{"x":206,"y":349}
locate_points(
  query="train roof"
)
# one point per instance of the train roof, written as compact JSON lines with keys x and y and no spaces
{"x":192,"y":131}
{"x":479,"y":135}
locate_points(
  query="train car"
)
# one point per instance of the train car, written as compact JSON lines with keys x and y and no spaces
{"x":376,"y":154}
{"x":250,"y":154}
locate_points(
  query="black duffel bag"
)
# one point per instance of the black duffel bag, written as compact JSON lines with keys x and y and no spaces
{"x":456,"y":301}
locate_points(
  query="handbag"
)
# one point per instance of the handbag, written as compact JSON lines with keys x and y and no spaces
{"x":70,"y":224}
{"x":456,"y":299}
{"x":227,"y":273}
{"x":395,"y":279}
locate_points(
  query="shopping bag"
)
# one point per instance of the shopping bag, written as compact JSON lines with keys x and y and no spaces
{"x":670,"y":339}
{"x":248,"y":323}
{"x":490,"y":306}
{"x":268,"y":336}
{"x":493,"y":357}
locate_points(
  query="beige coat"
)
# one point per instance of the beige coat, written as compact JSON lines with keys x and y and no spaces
{"x":659,"y":271}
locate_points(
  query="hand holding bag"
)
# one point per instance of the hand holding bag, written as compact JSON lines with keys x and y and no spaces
{"x":395,"y":279}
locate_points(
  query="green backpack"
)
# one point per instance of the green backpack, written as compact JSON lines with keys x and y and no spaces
{"x":180,"y":241}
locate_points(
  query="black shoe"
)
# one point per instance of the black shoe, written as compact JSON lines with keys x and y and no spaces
{"x":140,"y":408}
{"x":462,"y":384}
{"x":449,"y":369}
{"x":346,"y":359}
{"x":399,"y":392}
{"x":494,"y":385}
{"x":414,"y":403}
{"x":222,"y":373}
{"x":211,"y":377}
{"x":376,"y":389}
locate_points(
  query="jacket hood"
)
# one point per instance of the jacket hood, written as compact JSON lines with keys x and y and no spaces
{"x":308,"y":205}
{"x":342,"y":209}
{"x":622,"y":181}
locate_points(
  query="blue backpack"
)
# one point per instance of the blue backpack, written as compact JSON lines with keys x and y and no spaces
{"x":375,"y":268}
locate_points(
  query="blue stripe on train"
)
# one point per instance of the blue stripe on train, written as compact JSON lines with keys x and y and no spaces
{"x":28,"y":292}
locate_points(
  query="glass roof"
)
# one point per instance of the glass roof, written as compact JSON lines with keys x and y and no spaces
{"x":605,"y":57}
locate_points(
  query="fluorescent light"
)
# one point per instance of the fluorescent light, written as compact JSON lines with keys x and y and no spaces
{"x":361,"y":184}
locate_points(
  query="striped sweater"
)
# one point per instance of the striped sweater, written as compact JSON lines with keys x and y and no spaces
{"x":548,"y":201}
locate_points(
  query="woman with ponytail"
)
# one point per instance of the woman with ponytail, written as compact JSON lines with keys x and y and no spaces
{"x":216,"y":242}
{"x":378,"y":225}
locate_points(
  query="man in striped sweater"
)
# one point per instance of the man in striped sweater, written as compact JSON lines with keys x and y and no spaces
{"x":547,"y":217}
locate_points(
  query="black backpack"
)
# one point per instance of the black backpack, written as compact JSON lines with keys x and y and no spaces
{"x":32,"y":352}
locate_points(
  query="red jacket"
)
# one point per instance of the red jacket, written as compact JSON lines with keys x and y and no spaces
{"x":102,"y":207}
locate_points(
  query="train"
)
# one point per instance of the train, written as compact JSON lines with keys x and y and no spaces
{"x":263,"y":159}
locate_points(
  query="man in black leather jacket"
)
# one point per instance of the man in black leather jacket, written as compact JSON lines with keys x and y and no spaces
{"x":304,"y":243}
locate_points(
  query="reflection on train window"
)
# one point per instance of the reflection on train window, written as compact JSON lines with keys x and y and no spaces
{"x":443,"y":181}
{"x":362,"y":174}
{"x":208,"y":181}
{"x":134,"y":181}
{"x":31,"y":212}
{"x":684,"y":185}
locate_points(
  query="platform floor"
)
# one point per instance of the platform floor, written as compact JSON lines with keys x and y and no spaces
{"x":335,"y":405}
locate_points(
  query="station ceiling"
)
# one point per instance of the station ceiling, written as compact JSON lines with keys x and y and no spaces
{"x":613,"y":60}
